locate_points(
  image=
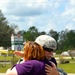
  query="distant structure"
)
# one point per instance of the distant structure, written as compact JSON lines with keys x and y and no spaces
{"x":16,"y":42}
{"x":71,"y":53}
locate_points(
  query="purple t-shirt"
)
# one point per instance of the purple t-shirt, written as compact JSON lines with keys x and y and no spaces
{"x":31,"y":67}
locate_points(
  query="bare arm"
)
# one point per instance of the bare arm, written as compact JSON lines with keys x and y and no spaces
{"x":19,"y":53}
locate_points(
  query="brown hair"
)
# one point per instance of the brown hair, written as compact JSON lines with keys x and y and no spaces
{"x":32,"y":50}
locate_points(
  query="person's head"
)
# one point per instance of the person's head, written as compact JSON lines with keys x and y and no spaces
{"x":48,"y":43}
{"x":32,"y":50}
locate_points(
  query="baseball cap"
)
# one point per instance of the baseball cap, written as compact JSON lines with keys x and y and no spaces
{"x":47,"y":42}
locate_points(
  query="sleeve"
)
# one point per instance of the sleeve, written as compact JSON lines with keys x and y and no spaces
{"x":61,"y":71}
{"x":24,"y":68}
{"x":53,"y":60}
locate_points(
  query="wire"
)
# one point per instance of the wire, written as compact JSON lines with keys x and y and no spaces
{"x":35,"y":2}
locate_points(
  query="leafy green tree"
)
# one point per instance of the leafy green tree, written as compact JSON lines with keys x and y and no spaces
{"x":42,"y":33}
{"x":69,"y":42}
{"x":61,"y":42}
{"x":5,"y":31}
{"x":54,"y":34}
{"x":31,"y":34}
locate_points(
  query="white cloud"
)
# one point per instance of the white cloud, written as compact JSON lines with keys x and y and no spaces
{"x":73,"y":19}
{"x":69,"y":12}
{"x":31,"y":21}
{"x":49,"y":26}
{"x":43,"y":14}
{"x":24,"y":8}
{"x":69,"y":27}
{"x":72,"y":2}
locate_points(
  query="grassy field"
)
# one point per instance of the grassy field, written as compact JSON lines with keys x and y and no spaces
{"x":4,"y":67}
{"x":67,"y":67}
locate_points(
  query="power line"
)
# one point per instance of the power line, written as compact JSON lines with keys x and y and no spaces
{"x":35,"y":2}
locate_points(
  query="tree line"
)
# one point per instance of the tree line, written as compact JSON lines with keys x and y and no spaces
{"x":65,"y":39}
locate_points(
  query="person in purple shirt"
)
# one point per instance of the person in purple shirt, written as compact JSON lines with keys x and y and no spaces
{"x":34,"y":62}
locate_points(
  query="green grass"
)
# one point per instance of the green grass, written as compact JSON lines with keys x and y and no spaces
{"x":4,"y":69}
{"x":68,"y":67}
{"x":8,"y":58}
{"x":5,"y":58}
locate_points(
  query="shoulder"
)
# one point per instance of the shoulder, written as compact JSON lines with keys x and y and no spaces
{"x":33,"y":61}
{"x":11,"y":72}
{"x":27,"y":66}
{"x":53,"y":60}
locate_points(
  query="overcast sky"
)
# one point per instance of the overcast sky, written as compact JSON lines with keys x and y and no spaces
{"x":43,"y":14}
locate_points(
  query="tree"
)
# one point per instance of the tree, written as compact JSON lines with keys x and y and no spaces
{"x":69,"y":42}
{"x":54,"y":34}
{"x":42,"y":33}
{"x":62,"y":37}
{"x":31,"y":34}
{"x":5,"y":31}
